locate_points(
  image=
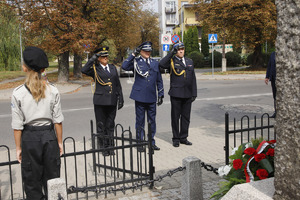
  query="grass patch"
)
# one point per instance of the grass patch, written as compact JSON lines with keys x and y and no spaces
{"x":240,"y":71}
{"x":4,"y":75}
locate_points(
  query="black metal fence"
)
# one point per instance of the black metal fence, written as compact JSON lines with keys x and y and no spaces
{"x":248,"y":129}
{"x":90,"y":172}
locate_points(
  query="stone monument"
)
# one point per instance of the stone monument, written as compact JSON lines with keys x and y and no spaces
{"x":287,"y":126}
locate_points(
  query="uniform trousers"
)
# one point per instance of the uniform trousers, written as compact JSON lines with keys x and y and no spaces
{"x":180,"y":113}
{"x":274,"y":90}
{"x":40,"y":160}
{"x":105,"y":118}
{"x":140,"y":110}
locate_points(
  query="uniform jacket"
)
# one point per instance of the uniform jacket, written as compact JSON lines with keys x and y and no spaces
{"x":105,"y":95}
{"x":144,"y":88}
{"x":185,"y":85}
{"x":271,"y":70}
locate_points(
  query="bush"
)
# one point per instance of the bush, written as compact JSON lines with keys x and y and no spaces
{"x":217,"y":59}
{"x":266,"y":57}
{"x":198,"y":59}
{"x":233,"y":59}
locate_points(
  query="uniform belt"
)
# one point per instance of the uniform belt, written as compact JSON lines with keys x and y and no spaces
{"x":38,"y":128}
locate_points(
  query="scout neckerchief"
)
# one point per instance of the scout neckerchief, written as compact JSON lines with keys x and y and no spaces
{"x":173,"y":69}
{"x":100,"y":81}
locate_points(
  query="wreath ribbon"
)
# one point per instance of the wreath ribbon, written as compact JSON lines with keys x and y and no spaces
{"x":248,"y":173}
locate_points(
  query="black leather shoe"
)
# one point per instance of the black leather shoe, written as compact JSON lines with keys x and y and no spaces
{"x":186,"y":142}
{"x":156,"y":148}
{"x":175,"y":144}
{"x":140,"y":149}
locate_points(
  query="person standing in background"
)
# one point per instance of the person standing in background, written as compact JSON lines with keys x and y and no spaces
{"x":108,"y":96}
{"x":271,"y":76}
{"x":147,"y":80}
{"x":183,"y":91}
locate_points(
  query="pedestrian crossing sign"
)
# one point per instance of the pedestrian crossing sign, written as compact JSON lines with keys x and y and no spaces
{"x":212,"y":38}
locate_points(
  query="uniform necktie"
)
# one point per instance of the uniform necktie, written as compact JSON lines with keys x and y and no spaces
{"x":106,"y":69}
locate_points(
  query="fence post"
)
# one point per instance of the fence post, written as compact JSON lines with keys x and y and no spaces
{"x":57,"y":189}
{"x":191,"y":187}
{"x":151,"y":167}
{"x":226,"y":148}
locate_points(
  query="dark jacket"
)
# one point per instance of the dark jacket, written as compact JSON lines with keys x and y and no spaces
{"x":105,"y":95}
{"x":185,"y":85}
{"x":144,"y":88}
{"x":271,"y":70}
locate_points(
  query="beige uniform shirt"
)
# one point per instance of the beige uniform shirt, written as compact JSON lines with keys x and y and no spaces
{"x":26,"y":111}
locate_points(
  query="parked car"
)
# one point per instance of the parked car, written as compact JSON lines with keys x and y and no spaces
{"x":123,"y":73}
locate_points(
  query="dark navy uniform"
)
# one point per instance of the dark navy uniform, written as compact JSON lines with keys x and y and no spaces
{"x":107,"y":95}
{"x":183,"y":90}
{"x":36,"y":119}
{"x":147,"y":88}
{"x":271,"y":75}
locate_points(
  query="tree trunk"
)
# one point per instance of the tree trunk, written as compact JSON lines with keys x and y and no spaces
{"x":77,"y":66}
{"x":63,"y":67}
{"x":287,"y":126}
{"x":258,"y":60}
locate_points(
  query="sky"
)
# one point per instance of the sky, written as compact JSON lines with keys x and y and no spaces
{"x":151,"y":4}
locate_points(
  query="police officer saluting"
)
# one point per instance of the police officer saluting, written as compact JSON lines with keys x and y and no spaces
{"x":37,"y":123}
{"x":108,"y":95}
{"x":147,"y":80}
{"x":183,"y":91}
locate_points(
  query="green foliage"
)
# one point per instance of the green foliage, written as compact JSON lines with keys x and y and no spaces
{"x":204,"y":43}
{"x":265,"y":56}
{"x":10,"y":40}
{"x":198,"y":59}
{"x":190,"y":39}
{"x":233,"y":59}
{"x":217,"y":59}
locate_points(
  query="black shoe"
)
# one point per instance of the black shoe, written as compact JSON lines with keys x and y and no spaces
{"x":175,"y":144}
{"x":156,"y":148}
{"x":140,"y":149}
{"x":274,"y":115}
{"x":186,"y":142}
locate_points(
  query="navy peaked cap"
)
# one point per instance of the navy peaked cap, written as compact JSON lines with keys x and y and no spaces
{"x":146,"y":46}
{"x":35,"y":58}
{"x":103,"y":51}
{"x":179,"y":45}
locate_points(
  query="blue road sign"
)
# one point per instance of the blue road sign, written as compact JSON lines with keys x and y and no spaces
{"x":212,"y":38}
{"x":175,"y":38}
{"x":166,"y":47}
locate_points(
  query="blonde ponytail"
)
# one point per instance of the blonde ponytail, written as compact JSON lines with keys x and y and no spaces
{"x":36,"y":84}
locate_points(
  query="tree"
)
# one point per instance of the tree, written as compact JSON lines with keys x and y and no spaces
{"x":287,"y":154}
{"x":10,"y":39}
{"x":195,"y":39}
{"x":204,"y":42}
{"x":244,"y":22}
{"x":65,"y":26}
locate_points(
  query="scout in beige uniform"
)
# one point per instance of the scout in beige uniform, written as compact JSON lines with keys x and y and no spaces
{"x":37,"y":123}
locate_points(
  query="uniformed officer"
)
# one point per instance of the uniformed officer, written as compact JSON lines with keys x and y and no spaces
{"x":107,"y":95}
{"x":37,"y":123}
{"x":147,"y":80}
{"x":183,"y":91}
{"x":271,"y":76}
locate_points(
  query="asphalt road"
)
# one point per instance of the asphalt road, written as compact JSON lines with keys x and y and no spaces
{"x":215,"y":97}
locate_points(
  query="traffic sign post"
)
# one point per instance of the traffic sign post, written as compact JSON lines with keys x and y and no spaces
{"x":212,"y":38}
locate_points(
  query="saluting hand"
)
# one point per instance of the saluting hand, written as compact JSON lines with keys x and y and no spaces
{"x":94,"y":57}
{"x":137,"y":51}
